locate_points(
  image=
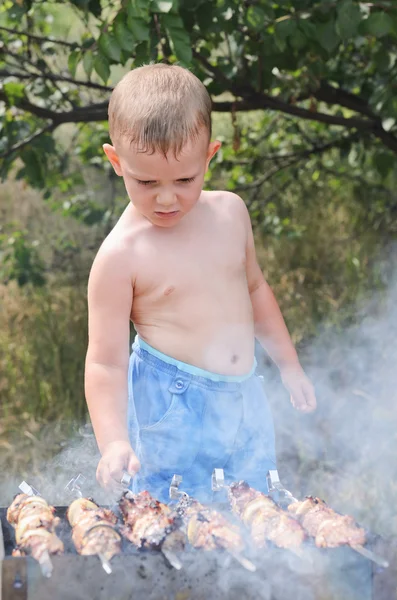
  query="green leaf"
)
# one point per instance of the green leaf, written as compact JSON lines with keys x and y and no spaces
{"x":384,"y":162}
{"x":88,"y":62}
{"x":378,"y":24}
{"x":101,"y":66}
{"x":141,"y":54}
{"x":255,"y":18}
{"x":348,"y":19}
{"x":14,"y":90}
{"x":73,"y":60}
{"x":138,"y":9}
{"x":161,"y":6}
{"x":179,"y":37}
{"x":109,"y":47}
{"x":123,"y":35}
{"x":139,"y":29}
{"x":283,"y":30}
{"x":327,"y":36}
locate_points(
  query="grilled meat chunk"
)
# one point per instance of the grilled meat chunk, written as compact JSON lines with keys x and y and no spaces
{"x":149,"y":523}
{"x":94,"y":529}
{"x":207,"y":528}
{"x":264,"y":519}
{"x":329,"y":528}
{"x":34,"y":523}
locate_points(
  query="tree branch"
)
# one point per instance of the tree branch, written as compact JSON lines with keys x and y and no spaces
{"x":51,"y":77}
{"x":26,"y":141}
{"x":40,"y":38}
{"x":296,"y":157}
{"x":257,"y":100}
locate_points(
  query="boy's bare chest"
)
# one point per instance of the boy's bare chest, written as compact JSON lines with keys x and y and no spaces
{"x":166,"y":263}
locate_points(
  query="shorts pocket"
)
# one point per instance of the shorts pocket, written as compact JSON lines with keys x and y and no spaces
{"x":152,"y":397}
{"x":173,"y":442}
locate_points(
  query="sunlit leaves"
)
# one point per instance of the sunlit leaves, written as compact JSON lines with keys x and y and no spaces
{"x":179,"y":37}
{"x":88,"y":62}
{"x":162,"y":6}
{"x":14,"y":90}
{"x":102,"y":67}
{"x":348,"y":19}
{"x":378,"y":24}
{"x":124,"y":36}
{"x":110,"y":47}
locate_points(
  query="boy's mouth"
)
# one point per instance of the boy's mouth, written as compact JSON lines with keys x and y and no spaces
{"x":166,"y":215}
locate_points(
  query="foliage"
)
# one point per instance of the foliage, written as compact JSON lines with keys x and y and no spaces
{"x":43,"y":338}
{"x":20,"y":260}
{"x":329,"y":64}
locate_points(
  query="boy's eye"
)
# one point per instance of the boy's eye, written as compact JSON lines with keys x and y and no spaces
{"x":186,"y":180}
{"x":145,"y":182}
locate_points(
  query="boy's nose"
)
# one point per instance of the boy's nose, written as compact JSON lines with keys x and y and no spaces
{"x":166,"y":198}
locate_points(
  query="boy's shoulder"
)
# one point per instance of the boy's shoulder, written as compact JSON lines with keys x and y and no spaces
{"x":226,"y":202}
{"x":223,"y":199}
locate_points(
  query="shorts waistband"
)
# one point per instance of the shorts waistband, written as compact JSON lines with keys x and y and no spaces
{"x":191,"y":369}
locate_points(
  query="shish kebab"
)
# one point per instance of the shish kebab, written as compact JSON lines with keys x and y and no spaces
{"x":94,"y":529}
{"x":317,"y":520}
{"x":34,"y":522}
{"x":331,"y":529}
{"x":265,"y":520}
{"x":150,"y":524}
{"x":207,"y":528}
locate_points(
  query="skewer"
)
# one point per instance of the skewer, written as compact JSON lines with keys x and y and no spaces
{"x":172,"y":559}
{"x":105,"y":563}
{"x":176,"y":494}
{"x":382,"y":562}
{"x":45,"y":561}
{"x":74,"y":487}
{"x":244,"y":562}
{"x":379,"y":560}
{"x":46,"y":565}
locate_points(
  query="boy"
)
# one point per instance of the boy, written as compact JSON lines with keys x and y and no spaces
{"x":180,"y":264}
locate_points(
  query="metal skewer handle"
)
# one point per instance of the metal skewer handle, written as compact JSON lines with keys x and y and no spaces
{"x":28,"y":489}
{"x":218,"y":480}
{"x":174,"y":492}
{"x":276,"y":489}
{"x":74,"y":485}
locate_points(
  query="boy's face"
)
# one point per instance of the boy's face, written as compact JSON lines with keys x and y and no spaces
{"x":163,"y":189}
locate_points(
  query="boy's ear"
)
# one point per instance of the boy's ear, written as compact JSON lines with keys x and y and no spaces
{"x":213,"y":148}
{"x":113,"y":158}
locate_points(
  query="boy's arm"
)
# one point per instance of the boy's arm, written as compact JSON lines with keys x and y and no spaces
{"x":106,"y":370}
{"x":272,"y":332}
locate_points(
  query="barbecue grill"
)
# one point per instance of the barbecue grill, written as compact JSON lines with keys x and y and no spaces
{"x":319,"y":574}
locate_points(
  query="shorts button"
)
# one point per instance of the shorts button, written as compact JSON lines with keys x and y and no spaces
{"x":179,"y":384}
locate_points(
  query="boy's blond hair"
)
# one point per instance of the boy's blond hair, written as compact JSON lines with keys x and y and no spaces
{"x":159,"y":108}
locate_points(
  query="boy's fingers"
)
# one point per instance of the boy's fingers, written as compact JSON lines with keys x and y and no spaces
{"x":133,"y":466}
{"x":298,"y":400}
{"x":310,"y":397}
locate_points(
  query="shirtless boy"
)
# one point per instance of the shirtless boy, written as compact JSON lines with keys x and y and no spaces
{"x":180,"y":264}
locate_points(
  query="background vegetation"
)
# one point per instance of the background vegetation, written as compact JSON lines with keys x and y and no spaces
{"x":305,"y":105}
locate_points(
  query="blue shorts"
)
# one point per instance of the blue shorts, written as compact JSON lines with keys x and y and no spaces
{"x":187,"y":421}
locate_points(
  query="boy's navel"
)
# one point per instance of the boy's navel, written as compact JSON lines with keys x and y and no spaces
{"x":169,"y":290}
{"x":234,"y":359}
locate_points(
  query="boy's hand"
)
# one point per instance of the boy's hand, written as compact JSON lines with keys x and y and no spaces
{"x":300,"y":387}
{"x":117,"y":458}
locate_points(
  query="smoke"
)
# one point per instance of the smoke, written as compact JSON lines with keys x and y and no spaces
{"x":346,"y":451}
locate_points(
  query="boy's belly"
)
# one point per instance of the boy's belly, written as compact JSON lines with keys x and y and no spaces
{"x":212,"y":332}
